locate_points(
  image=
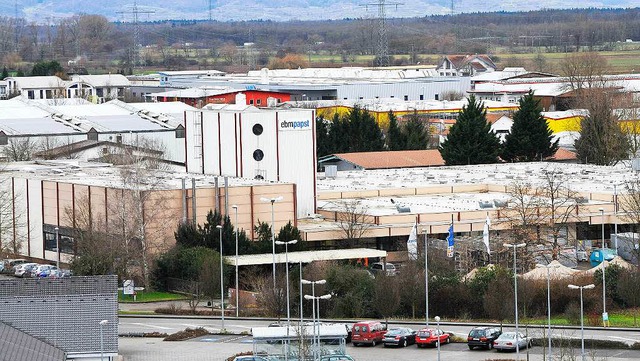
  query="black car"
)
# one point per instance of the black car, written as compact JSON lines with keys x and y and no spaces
{"x":399,"y":337}
{"x":482,"y":337}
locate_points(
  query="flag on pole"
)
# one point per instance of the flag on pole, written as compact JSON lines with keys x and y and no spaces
{"x":451,"y":241}
{"x":485,"y":233}
{"x":412,"y":243}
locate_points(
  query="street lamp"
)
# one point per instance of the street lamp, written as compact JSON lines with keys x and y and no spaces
{"x":219,"y":227}
{"x":313,"y":308}
{"x":426,"y":280}
{"x":587,"y":287}
{"x":286,"y":255}
{"x":316,"y":336}
{"x":235,"y":208}
{"x":58,"y":247}
{"x":548,"y":267}
{"x":515,"y":287}
{"x":437,"y":318}
{"x":102,"y":324}
{"x":273,"y":236}
{"x":604,"y":283}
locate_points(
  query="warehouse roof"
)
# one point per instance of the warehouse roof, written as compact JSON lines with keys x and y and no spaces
{"x":389,"y":159}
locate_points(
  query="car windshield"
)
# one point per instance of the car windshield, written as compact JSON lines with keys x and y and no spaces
{"x":508,"y":335}
{"x":394,"y":332}
{"x":476,"y":333}
{"x":424,"y":333}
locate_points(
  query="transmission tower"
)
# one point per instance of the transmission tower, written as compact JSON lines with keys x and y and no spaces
{"x":15,"y":27}
{"x":135,"y":12}
{"x":382,"y":48}
{"x":210,"y":8}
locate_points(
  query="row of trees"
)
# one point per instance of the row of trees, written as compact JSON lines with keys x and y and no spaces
{"x":358,"y":131}
{"x":487,"y":295}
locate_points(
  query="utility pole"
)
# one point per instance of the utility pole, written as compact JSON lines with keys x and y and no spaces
{"x":382,"y":48}
{"x":136,"y":30}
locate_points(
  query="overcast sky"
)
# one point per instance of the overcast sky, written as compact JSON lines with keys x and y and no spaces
{"x":281,"y":10}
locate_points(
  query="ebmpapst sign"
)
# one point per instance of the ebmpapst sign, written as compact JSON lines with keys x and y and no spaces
{"x":295,"y":125}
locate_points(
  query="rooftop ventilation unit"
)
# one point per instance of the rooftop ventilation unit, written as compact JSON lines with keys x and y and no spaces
{"x":485,"y":204}
{"x":331,"y":171}
{"x":403,"y":209}
{"x":499,"y":203}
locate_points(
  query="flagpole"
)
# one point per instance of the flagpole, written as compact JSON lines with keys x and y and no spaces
{"x":426,"y":280}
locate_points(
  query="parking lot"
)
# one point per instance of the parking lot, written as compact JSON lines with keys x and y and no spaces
{"x":219,"y":348}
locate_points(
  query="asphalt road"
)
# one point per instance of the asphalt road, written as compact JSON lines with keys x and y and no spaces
{"x":218,"y":348}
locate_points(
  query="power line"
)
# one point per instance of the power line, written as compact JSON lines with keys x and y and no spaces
{"x":382,"y":48}
{"x":136,"y":30}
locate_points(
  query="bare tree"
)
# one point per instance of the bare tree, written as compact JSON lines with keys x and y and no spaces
{"x":353,"y":220}
{"x":584,"y":71}
{"x":20,"y":149}
{"x":629,"y":204}
{"x":11,"y":221}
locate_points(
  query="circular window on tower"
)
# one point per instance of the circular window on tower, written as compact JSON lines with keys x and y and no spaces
{"x":258,"y":155}
{"x":257,"y":129}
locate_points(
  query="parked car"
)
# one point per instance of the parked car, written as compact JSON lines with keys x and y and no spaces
{"x":429,"y":337}
{"x":7,"y":265}
{"x":24,"y":269}
{"x":367,"y":332}
{"x":43,"y":270}
{"x":507,"y":342}
{"x":482,"y":337}
{"x":336,"y":358}
{"x":250,"y":358}
{"x":582,"y":255}
{"x":379,"y":267}
{"x":400,"y":336}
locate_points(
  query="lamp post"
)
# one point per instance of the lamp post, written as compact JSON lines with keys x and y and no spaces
{"x":102,"y":324}
{"x":587,"y":287}
{"x":615,"y":215}
{"x":57,"y":247}
{"x":604,"y":282}
{"x":426,"y":280}
{"x":235,"y":208}
{"x":273,"y":236}
{"x":437,"y":318}
{"x":316,"y":335}
{"x":313,"y":308}
{"x":286,"y":255}
{"x":515,"y":287}
{"x":548,"y":267}
{"x":219,"y":227}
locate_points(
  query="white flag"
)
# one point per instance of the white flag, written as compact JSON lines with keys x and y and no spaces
{"x":485,"y":233}
{"x":412,"y":243}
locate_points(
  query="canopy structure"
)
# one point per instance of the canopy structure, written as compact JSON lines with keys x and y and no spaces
{"x":305,"y":256}
{"x":619,"y":261}
{"x":472,"y":274}
{"x":556,"y":270}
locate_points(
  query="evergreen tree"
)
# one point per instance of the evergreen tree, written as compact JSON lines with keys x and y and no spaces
{"x":20,"y":73}
{"x":470,"y":140}
{"x":323,"y":145}
{"x":5,"y":73}
{"x":395,"y":139}
{"x":338,"y":135}
{"x":530,"y":137}
{"x":43,"y":68}
{"x":415,"y":133}
{"x":364,"y":133}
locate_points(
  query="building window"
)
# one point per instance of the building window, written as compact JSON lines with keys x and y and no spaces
{"x":259,"y":101}
{"x":180,"y":133}
{"x":66,"y":242}
{"x":258,"y":155}
{"x":30,"y":94}
{"x":4,"y":139}
{"x":406,"y":97}
{"x":421,"y":96}
{"x":437,"y":97}
{"x":250,"y":101}
{"x":257,"y":129}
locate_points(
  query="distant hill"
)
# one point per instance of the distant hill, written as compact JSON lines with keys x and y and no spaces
{"x":44,"y":11}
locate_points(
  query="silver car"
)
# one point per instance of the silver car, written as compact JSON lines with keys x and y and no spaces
{"x":24,"y":269}
{"x":507,"y":341}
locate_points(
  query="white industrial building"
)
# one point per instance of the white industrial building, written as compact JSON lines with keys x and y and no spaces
{"x":47,"y":124}
{"x":247,"y":142}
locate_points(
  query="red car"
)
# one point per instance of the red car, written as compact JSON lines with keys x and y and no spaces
{"x":429,"y":337}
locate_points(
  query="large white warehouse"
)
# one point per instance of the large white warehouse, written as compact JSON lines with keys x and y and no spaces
{"x":244,"y":141}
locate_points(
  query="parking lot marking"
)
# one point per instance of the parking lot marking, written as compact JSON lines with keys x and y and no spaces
{"x":155,"y":326}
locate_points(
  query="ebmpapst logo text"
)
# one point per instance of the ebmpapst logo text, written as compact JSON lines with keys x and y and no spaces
{"x":294,"y":125}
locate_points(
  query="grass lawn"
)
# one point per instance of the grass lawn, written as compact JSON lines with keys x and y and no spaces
{"x":150,"y":297}
{"x":623,"y":318}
